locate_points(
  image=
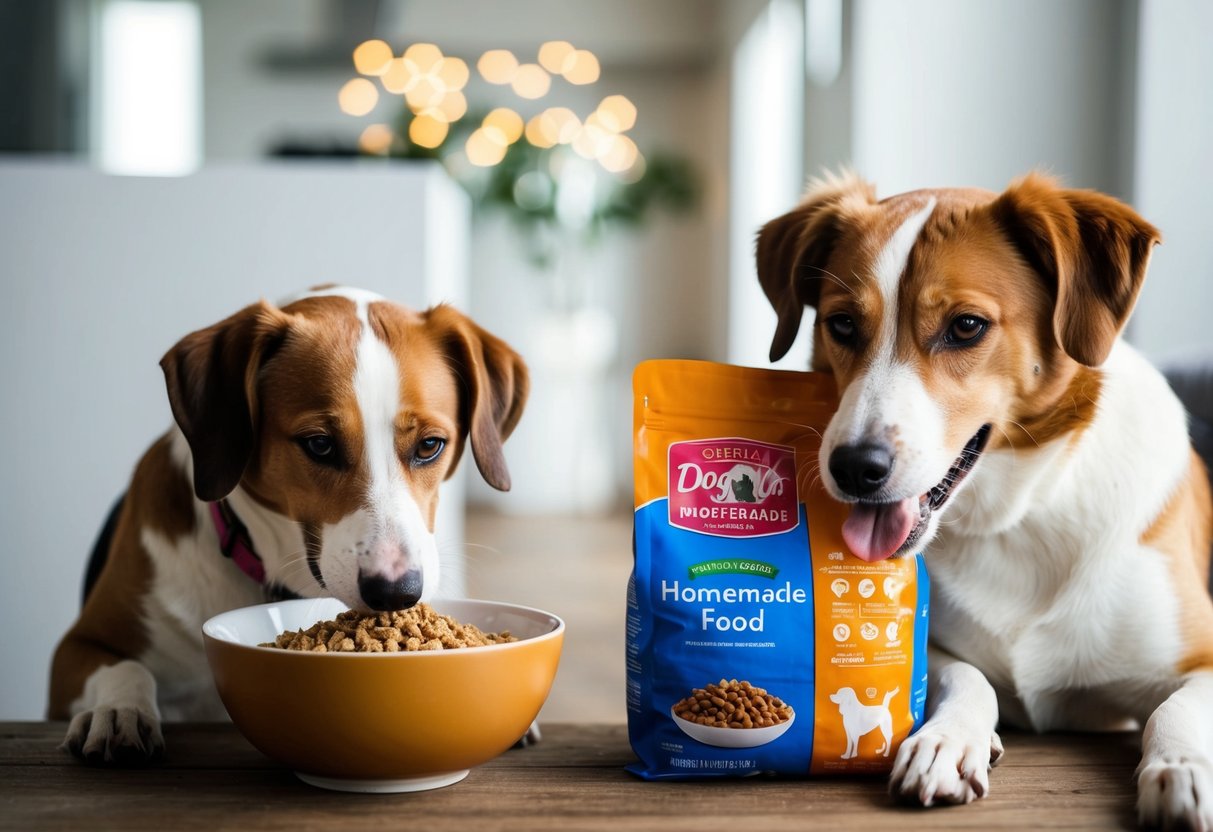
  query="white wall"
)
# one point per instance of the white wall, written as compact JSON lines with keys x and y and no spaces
{"x":766,"y":158}
{"x":247,"y":106}
{"x":955,"y":92}
{"x":101,"y":275}
{"x":1173,"y":180}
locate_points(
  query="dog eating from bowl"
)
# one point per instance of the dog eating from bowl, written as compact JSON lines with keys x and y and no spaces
{"x":305,"y":460}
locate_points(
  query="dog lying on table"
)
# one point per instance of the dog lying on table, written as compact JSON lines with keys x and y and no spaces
{"x":309,"y":444}
{"x":991,"y":417}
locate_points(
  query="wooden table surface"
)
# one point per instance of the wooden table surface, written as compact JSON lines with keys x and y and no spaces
{"x":213,"y":779}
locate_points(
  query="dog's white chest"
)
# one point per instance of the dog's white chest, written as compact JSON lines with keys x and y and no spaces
{"x":192,"y":582}
{"x":1051,"y":608}
{"x":1039,"y":575}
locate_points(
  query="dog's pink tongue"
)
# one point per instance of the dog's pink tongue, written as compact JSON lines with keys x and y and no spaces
{"x":875,"y":532}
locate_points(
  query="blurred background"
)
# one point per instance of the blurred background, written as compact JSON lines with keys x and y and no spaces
{"x":584,"y":177}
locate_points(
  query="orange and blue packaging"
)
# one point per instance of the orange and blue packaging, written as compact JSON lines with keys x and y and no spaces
{"x":742,"y":582}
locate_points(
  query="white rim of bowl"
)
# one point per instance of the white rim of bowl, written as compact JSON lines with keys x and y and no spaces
{"x":207,"y":630}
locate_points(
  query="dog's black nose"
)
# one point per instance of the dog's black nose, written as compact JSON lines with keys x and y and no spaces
{"x":385,"y":595}
{"x":861,"y":470}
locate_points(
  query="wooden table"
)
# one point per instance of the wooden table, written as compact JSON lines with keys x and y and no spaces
{"x":213,"y":779}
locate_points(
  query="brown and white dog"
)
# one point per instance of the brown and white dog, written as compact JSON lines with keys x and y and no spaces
{"x":991,"y":416}
{"x":323,"y":429}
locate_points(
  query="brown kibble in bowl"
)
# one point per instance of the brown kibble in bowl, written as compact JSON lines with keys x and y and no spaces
{"x":733,"y":704}
{"x":418,"y":628}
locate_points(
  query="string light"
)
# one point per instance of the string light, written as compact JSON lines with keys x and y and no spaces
{"x":372,"y":57}
{"x":621,"y":153}
{"x":536,"y":135}
{"x":554,"y":54}
{"x":486,"y":147}
{"x":559,"y":124}
{"x":358,"y":97}
{"x":495,"y":135}
{"x":376,"y":139}
{"x":498,"y":66}
{"x":453,"y":72}
{"x":505,"y":120}
{"x":428,"y":132}
{"x":582,"y":68}
{"x":452,"y":108}
{"x":530,"y":81}
{"x":617,"y":113}
{"x":397,"y":77}
{"x":594,"y":120}
{"x":432,"y":84}
{"x":591,"y":141}
{"x":425,"y":56}
{"x":427,"y":92}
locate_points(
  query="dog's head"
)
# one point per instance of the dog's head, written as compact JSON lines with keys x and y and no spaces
{"x":343,"y":412}
{"x":952,"y":320}
{"x":843,"y":696}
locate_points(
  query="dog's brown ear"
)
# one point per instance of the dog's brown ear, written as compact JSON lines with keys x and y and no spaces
{"x":211,"y":377}
{"x":494,"y":384}
{"x":1092,"y":252}
{"x":793,"y":251}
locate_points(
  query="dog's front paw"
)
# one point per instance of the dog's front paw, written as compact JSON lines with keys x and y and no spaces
{"x":1176,"y":793}
{"x":115,"y":735}
{"x":938,"y":766}
{"x":531,"y":737}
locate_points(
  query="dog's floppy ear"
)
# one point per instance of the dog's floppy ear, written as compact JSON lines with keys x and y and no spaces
{"x":494,"y":384}
{"x":793,"y":251}
{"x":211,"y":377}
{"x":1091,"y":250}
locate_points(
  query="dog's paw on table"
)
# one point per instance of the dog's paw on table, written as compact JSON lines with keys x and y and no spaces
{"x":937,"y":768}
{"x":531,"y":737}
{"x":1176,"y":794}
{"x":118,"y":736}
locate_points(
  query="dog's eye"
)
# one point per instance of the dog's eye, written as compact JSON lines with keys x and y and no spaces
{"x":842,"y":328}
{"x":428,"y":449}
{"x":319,"y":447}
{"x":965,"y":330}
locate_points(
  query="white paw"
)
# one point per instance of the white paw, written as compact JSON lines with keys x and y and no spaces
{"x":115,"y":735}
{"x":531,"y":737}
{"x":939,"y":766}
{"x":1176,"y":793}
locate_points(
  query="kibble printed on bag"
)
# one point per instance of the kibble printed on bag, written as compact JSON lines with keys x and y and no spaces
{"x":756,"y":641}
{"x":733,"y":705}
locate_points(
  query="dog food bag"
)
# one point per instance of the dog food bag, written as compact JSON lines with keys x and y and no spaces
{"x":755,"y":641}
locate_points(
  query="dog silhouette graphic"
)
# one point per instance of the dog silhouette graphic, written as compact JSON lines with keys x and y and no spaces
{"x":859,"y":720}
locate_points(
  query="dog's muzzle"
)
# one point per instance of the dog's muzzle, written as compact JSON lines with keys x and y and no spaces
{"x":878,"y":529}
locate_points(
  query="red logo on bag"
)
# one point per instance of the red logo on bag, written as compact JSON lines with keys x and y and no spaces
{"x":733,"y":487}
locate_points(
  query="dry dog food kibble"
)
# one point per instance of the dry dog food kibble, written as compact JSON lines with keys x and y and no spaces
{"x":419,"y":628}
{"x":733,"y":704}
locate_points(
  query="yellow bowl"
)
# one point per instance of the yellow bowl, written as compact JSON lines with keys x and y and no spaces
{"x":382,"y":722}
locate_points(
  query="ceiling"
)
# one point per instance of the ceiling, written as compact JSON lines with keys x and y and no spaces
{"x":672,"y":35}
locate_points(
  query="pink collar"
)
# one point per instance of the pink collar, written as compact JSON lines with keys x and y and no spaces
{"x":234,"y":541}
